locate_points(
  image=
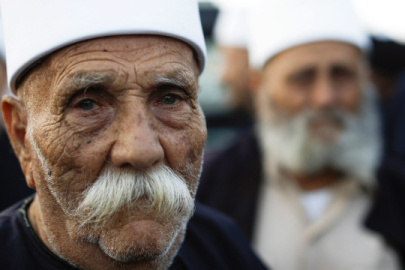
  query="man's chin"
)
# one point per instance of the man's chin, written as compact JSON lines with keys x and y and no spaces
{"x":137,"y":241}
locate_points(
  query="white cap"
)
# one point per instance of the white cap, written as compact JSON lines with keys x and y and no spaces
{"x":277,"y":25}
{"x":34,"y":29}
{"x":231,"y":28}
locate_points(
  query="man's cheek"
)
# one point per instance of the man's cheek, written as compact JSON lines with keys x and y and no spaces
{"x":179,"y":144}
{"x":198,"y":133}
{"x":74,"y":181}
{"x":90,"y":122}
{"x":350,"y":99}
{"x":71,"y":161}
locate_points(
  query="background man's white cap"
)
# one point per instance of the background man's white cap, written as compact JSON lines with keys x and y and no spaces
{"x":231,"y":28}
{"x":277,"y":25}
{"x":34,"y":29}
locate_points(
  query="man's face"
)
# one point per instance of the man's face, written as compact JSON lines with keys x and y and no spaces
{"x":235,"y":77}
{"x":3,"y":88}
{"x":105,"y":109}
{"x":313,"y":112}
{"x":317,"y":76}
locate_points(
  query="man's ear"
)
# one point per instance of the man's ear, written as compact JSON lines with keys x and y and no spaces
{"x":15,"y":120}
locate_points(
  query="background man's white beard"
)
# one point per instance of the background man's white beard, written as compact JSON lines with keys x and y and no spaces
{"x":288,"y":144}
{"x":158,"y":192}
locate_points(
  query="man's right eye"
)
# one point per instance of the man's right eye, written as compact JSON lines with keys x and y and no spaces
{"x":87,"y":104}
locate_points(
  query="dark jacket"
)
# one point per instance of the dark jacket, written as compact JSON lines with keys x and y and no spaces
{"x":12,"y":182}
{"x":212,"y":241}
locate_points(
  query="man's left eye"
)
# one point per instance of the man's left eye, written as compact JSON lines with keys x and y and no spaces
{"x":87,"y":104}
{"x":169,"y":99}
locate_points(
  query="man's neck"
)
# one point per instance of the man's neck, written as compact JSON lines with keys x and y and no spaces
{"x":315,"y":181}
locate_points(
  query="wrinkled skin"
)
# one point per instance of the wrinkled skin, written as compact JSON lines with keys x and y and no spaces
{"x":143,"y":113}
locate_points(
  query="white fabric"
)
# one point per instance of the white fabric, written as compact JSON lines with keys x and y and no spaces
{"x":277,"y":25}
{"x":315,"y":202}
{"x":286,"y":239}
{"x":33,"y":29}
{"x":2,"y":48}
{"x":231,"y":28}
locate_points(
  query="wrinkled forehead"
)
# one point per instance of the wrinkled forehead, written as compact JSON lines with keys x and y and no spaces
{"x":149,"y":55}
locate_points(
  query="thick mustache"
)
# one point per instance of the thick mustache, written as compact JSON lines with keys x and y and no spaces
{"x":159,"y":191}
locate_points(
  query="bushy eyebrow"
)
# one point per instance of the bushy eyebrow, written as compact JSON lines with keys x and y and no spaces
{"x":83,"y":80}
{"x":180,"y":78}
{"x":306,"y":71}
{"x":343,"y":67}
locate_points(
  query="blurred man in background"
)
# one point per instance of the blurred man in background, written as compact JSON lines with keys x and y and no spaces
{"x":386,"y":217}
{"x":231,"y":35}
{"x":387,"y":59}
{"x":230,"y":110}
{"x":301,"y":185}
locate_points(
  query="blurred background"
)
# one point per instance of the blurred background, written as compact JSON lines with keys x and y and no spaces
{"x":227,"y":108}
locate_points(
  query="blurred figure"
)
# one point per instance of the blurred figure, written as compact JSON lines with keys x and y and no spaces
{"x":12,"y":184}
{"x":388,"y":73}
{"x":231,"y":36}
{"x":387,"y":60}
{"x":301,"y":184}
{"x":226,"y":99}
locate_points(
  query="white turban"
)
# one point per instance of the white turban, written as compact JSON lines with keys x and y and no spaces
{"x":33,"y":29}
{"x":277,"y":25}
{"x":231,"y":28}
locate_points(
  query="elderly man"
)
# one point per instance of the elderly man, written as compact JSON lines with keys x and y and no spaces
{"x":302,"y":188}
{"x":231,"y":36}
{"x":108,"y":130}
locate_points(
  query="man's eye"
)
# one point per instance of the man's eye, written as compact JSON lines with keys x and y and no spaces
{"x":303,"y":80}
{"x":87,"y":104}
{"x":343,"y":75}
{"x":169,"y":99}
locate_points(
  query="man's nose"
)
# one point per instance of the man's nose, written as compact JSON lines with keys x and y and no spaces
{"x":324,"y":95}
{"x":137,"y":143}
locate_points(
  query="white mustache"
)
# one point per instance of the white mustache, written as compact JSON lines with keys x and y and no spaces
{"x":163,"y":193}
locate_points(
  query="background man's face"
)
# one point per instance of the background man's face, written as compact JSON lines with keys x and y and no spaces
{"x":124,"y":102}
{"x":317,"y":76}
{"x":235,"y":76}
{"x":3,"y":87}
{"x":316,"y":112}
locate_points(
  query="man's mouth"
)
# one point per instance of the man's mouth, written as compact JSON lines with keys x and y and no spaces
{"x":325,"y":128}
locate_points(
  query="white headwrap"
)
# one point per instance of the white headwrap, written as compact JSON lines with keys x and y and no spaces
{"x":277,"y":25}
{"x":34,"y":29}
{"x":231,"y":28}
